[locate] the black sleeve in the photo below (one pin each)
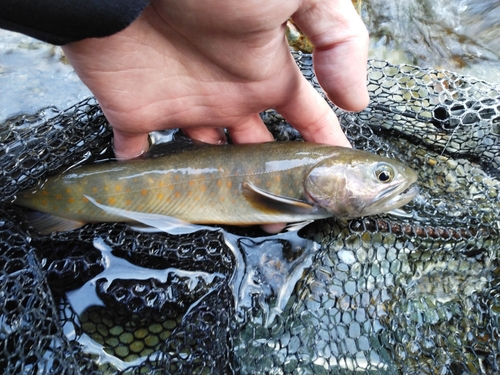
(65, 21)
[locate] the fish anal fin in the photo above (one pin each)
(269, 202)
(45, 223)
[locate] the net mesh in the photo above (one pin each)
(416, 293)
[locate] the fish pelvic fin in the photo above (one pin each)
(44, 223)
(270, 203)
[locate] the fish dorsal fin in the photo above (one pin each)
(266, 201)
(45, 223)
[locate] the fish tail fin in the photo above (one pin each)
(45, 223)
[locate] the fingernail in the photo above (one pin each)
(121, 156)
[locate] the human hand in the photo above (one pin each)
(207, 65)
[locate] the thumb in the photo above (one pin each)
(340, 54)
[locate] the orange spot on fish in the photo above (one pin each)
(94, 190)
(177, 194)
(176, 177)
(277, 178)
(144, 192)
(44, 202)
(44, 193)
(118, 188)
(219, 183)
(268, 184)
(161, 184)
(191, 183)
(71, 200)
(171, 187)
(229, 184)
(68, 190)
(128, 202)
(160, 195)
(221, 199)
(190, 193)
(111, 200)
(203, 188)
(58, 196)
(84, 199)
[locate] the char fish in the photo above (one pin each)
(230, 184)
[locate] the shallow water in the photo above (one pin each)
(459, 35)
(34, 75)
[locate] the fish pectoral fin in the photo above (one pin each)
(45, 223)
(266, 201)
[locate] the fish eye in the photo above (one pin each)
(384, 173)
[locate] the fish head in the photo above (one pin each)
(356, 183)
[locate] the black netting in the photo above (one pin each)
(416, 293)
(31, 337)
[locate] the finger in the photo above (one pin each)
(273, 228)
(253, 130)
(340, 54)
(128, 146)
(207, 135)
(310, 114)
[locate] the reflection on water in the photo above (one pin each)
(111, 319)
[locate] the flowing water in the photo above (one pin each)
(459, 35)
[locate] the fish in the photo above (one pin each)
(243, 185)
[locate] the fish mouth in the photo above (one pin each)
(397, 196)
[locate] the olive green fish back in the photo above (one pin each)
(409, 294)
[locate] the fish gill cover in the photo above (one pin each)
(416, 293)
